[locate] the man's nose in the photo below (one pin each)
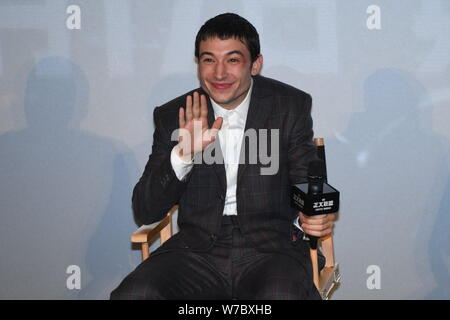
(220, 72)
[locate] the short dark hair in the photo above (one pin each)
(226, 26)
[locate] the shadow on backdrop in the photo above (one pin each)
(439, 248)
(392, 171)
(64, 193)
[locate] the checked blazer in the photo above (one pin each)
(263, 201)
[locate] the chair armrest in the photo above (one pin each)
(148, 232)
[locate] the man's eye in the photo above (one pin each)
(234, 60)
(208, 60)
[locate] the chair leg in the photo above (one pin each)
(315, 266)
(145, 251)
(328, 250)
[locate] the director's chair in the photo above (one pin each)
(326, 280)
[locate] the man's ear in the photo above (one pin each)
(257, 65)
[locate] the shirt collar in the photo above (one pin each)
(241, 109)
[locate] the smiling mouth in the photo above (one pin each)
(221, 86)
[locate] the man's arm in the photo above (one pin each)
(301, 146)
(161, 187)
(158, 189)
(301, 151)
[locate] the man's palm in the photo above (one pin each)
(195, 134)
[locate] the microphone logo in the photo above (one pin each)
(323, 205)
(299, 200)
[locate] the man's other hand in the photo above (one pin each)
(318, 226)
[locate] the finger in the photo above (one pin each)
(317, 216)
(319, 219)
(319, 234)
(196, 106)
(304, 216)
(212, 134)
(188, 108)
(314, 227)
(217, 124)
(181, 119)
(203, 107)
(330, 216)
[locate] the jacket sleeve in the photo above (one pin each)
(301, 146)
(158, 189)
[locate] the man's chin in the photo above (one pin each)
(226, 103)
(220, 99)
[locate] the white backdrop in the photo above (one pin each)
(79, 81)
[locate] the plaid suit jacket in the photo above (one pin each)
(263, 201)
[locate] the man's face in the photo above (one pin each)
(225, 70)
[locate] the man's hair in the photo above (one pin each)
(226, 26)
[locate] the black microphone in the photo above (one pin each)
(316, 177)
(320, 146)
(316, 196)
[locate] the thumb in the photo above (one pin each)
(217, 124)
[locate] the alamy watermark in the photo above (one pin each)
(74, 279)
(373, 21)
(374, 280)
(257, 142)
(73, 21)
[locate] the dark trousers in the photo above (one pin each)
(230, 270)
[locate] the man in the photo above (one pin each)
(235, 220)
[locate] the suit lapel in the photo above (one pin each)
(260, 108)
(218, 166)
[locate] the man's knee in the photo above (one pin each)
(279, 289)
(136, 289)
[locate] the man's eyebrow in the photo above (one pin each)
(228, 53)
(205, 53)
(235, 52)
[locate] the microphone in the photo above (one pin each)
(320, 146)
(316, 196)
(316, 177)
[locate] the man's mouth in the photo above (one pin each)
(221, 86)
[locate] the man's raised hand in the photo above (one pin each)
(195, 134)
